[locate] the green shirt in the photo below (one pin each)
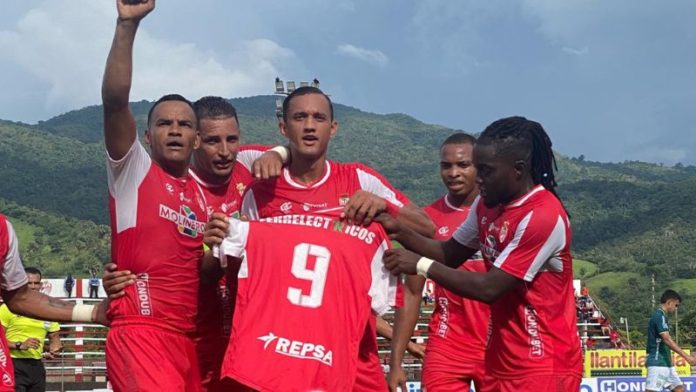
(20, 328)
(658, 354)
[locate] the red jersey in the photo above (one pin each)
(459, 326)
(13, 277)
(306, 287)
(534, 328)
(216, 305)
(157, 224)
(339, 182)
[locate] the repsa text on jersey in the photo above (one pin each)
(325, 222)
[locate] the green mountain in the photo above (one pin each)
(630, 219)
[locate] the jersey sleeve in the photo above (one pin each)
(661, 323)
(536, 244)
(249, 208)
(383, 289)
(250, 153)
(234, 243)
(123, 178)
(53, 327)
(375, 183)
(13, 275)
(5, 315)
(467, 233)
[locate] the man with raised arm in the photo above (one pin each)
(158, 213)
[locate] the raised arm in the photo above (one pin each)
(119, 124)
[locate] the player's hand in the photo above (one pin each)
(691, 360)
(390, 224)
(99, 313)
(416, 349)
(396, 379)
(362, 208)
(29, 343)
(268, 165)
(215, 229)
(134, 10)
(50, 355)
(115, 281)
(401, 261)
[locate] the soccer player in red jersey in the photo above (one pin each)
(458, 330)
(311, 183)
(31, 303)
(158, 213)
(523, 232)
(223, 169)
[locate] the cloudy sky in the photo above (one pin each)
(613, 80)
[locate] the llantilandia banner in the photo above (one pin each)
(608, 363)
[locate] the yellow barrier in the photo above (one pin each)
(603, 363)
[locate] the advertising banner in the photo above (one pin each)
(611, 363)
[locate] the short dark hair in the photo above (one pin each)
(459, 137)
(214, 107)
(165, 98)
(32, 270)
(305, 90)
(670, 294)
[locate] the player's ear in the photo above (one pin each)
(281, 126)
(334, 127)
(146, 137)
(197, 141)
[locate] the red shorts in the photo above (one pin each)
(562, 383)
(7, 379)
(369, 374)
(442, 374)
(147, 355)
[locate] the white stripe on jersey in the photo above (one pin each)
(124, 176)
(547, 256)
(467, 233)
(13, 275)
(383, 286)
(374, 185)
(249, 208)
(294, 184)
(247, 157)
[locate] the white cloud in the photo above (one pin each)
(369, 56)
(577, 52)
(66, 51)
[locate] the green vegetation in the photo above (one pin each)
(631, 219)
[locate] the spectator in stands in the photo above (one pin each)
(585, 292)
(615, 339)
(93, 285)
(589, 344)
(604, 324)
(26, 338)
(69, 283)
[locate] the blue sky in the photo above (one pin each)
(612, 80)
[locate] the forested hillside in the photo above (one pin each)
(630, 219)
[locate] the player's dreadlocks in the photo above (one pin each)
(519, 136)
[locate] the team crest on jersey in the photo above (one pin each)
(185, 220)
(443, 230)
(343, 199)
(297, 349)
(286, 207)
(503, 231)
(240, 188)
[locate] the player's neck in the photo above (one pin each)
(174, 169)
(307, 171)
(208, 179)
(461, 201)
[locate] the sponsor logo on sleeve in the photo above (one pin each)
(297, 349)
